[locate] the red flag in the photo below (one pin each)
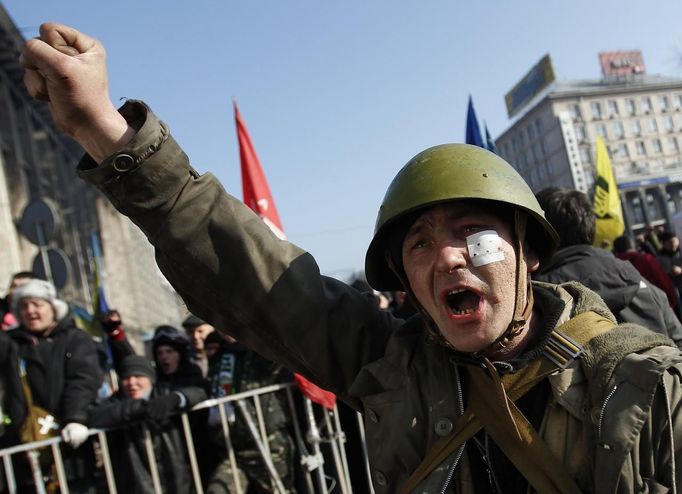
(258, 197)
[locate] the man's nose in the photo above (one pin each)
(451, 256)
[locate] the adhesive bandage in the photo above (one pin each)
(484, 247)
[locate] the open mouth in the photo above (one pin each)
(462, 302)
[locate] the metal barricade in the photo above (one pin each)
(308, 445)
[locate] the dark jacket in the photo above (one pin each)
(130, 420)
(668, 260)
(127, 445)
(63, 370)
(229, 268)
(12, 400)
(618, 283)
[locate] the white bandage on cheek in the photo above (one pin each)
(485, 247)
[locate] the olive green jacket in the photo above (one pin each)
(232, 271)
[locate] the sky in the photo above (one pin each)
(338, 96)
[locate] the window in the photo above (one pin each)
(574, 110)
(623, 150)
(657, 146)
(585, 155)
(637, 209)
(596, 110)
(541, 173)
(646, 104)
(641, 150)
(673, 144)
(550, 168)
(612, 107)
(651, 123)
(663, 103)
(601, 130)
(543, 146)
(652, 206)
(531, 133)
(618, 130)
(668, 123)
(678, 101)
(630, 106)
(636, 128)
(539, 126)
(580, 133)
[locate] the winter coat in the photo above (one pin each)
(229, 267)
(120, 411)
(618, 283)
(130, 420)
(650, 268)
(669, 260)
(63, 370)
(12, 402)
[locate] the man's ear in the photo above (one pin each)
(531, 258)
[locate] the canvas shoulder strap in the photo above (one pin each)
(565, 344)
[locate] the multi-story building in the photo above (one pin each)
(555, 124)
(38, 163)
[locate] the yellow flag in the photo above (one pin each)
(607, 208)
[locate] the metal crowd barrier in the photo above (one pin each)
(309, 449)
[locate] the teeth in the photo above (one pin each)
(463, 312)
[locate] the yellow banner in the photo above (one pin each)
(606, 202)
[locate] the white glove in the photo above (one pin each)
(74, 434)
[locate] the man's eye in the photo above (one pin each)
(471, 229)
(417, 244)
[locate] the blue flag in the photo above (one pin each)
(473, 134)
(99, 305)
(489, 142)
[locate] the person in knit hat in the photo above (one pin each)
(37, 305)
(142, 407)
(171, 350)
(137, 376)
(62, 368)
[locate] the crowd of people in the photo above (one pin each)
(511, 376)
(65, 370)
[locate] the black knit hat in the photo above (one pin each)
(136, 365)
(171, 336)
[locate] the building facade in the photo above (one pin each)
(552, 141)
(38, 164)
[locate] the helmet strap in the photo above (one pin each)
(523, 304)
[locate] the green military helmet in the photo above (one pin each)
(452, 172)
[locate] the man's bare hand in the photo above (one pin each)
(67, 69)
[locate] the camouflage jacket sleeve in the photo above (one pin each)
(230, 269)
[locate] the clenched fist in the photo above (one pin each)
(67, 69)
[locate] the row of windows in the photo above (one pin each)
(528, 134)
(616, 130)
(641, 148)
(539, 173)
(533, 154)
(632, 106)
